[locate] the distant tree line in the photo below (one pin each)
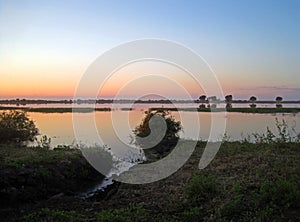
(202, 99)
(212, 100)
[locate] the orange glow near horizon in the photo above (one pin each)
(30, 81)
(34, 89)
(142, 77)
(39, 79)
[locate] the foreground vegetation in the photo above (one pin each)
(245, 182)
(29, 174)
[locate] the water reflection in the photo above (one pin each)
(59, 126)
(278, 105)
(228, 105)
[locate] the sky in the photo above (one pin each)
(252, 46)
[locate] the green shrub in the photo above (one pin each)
(46, 214)
(201, 188)
(285, 134)
(159, 143)
(281, 193)
(193, 214)
(16, 127)
(173, 126)
(130, 214)
(266, 214)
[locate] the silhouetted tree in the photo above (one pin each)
(16, 127)
(212, 99)
(202, 98)
(279, 99)
(252, 99)
(228, 100)
(168, 141)
(278, 102)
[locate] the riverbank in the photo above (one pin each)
(31, 174)
(245, 181)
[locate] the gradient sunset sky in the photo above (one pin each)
(252, 46)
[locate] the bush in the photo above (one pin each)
(280, 193)
(16, 127)
(46, 214)
(167, 141)
(193, 214)
(130, 214)
(201, 188)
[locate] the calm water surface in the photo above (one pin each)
(59, 126)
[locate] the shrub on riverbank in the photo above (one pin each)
(32, 173)
(16, 127)
(158, 133)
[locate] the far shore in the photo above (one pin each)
(191, 109)
(129, 101)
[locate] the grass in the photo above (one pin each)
(201, 188)
(46, 214)
(14, 156)
(253, 182)
(133, 213)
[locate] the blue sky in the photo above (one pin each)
(253, 46)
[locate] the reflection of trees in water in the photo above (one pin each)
(228, 105)
(252, 100)
(213, 105)
(202, 100)
(278, 102)
(211, 101)
(228, 100)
